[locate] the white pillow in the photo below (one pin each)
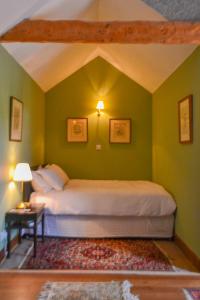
(60, 172)
(39, 184)
(52, 178)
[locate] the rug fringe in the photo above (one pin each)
(126, 291)
(45, 291)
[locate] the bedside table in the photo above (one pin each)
(21, 218)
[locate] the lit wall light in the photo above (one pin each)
(100, 106)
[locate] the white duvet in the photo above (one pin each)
(108, 198)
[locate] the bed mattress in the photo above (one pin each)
(108, 198)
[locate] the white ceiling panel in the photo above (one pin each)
(48, 64)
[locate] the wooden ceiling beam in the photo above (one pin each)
(121, 32)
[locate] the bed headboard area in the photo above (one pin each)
(28, 186)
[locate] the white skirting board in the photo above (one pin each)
(95, 226)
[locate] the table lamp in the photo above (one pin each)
(22, 174)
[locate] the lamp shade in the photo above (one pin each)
(22, 172)
(100, 105)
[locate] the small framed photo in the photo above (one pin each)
(16, 120)
(120, 131)
(185, 115)
(77, 130)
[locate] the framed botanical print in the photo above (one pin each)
(77, 130)
(185, 115)
(120, 131)
(16, 119)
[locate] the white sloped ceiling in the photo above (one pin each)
(48, 64)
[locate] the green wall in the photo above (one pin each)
(177, 166)
(123, 98)
(15, 82)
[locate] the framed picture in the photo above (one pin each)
(185, 115)
(120, 131)
(16, 119)
(77, 130)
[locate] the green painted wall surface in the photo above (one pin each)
(15, 82)
(77, 97)
(177, 166)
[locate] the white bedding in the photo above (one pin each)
(108, 198)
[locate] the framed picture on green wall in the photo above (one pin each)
(77, 130)
(120, 131)
(16, 119)
(185, 113)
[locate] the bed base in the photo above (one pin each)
(105, 227)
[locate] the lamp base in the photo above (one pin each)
(20, 205)
(23, 205)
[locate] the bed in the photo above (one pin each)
(108, 208)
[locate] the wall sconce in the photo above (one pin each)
(100, 106)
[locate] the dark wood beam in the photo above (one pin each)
(129, 32)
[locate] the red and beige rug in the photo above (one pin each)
(98, 254)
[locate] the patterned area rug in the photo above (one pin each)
(87, 291)
(98, 254)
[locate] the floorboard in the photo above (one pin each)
(176, 256)
(26, 285)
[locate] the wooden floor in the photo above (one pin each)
(176, 256)
(25, 285)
